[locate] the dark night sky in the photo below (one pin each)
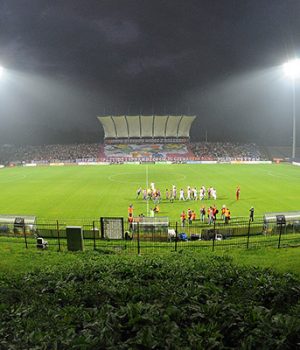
(68, 61)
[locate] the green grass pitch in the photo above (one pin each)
(71, 192)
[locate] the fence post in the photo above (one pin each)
(280, 231)
(176, 237)
(58, 235)
(138, 239)
(248, 236)
(94, 235)
(25, 237)
(214, 237)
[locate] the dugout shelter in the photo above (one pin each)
(290, 221)
(17, 223)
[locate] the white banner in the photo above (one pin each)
(93, 163)
(30, 164)
(251, 162)
(201, 162)
(57, 164)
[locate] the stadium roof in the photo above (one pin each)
(153, 126)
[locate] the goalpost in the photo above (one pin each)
(151, 228)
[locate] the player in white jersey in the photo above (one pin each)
(181, 195)
(189, 193)
(202, 194)
(195, 193)
(214, 193)
(174, 192)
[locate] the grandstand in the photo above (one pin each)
(44, 154)
(147, 137)
(139, 139)
(281, 153)
(227, 151)
(131, 152)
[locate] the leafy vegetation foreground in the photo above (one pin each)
(173, 302)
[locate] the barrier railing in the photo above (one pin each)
(239, 233)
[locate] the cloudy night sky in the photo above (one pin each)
(68, 61)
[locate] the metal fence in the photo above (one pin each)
(115, 235)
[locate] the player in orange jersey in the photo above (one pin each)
(130, 210)
(183, 218)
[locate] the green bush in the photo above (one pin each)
(173, 302)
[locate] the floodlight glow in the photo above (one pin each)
(292, 68)
(1, 71)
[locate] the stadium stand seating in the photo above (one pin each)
(281, 152)
(227, 151)
(49, 153)
(204, 151)
(136, 138)
(151, 151)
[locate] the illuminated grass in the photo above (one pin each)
(94, 191)
(262, 252)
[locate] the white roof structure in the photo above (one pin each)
(152, 126)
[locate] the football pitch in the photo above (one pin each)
(89, 192)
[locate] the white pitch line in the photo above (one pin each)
(147, 184)
(111, 178)
(281, 176)
(14, 178)
(179, 177)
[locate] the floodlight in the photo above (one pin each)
(292, 68)
(1, 71)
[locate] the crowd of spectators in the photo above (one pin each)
(153, 150)
(227, 151)
(49, 153)
(204, 151)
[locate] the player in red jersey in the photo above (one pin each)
(237, 193)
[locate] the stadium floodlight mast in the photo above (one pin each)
(292, 71)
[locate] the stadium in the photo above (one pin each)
(147, 162)
(149, 175)
(90, 198)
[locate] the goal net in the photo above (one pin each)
(151, 228)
